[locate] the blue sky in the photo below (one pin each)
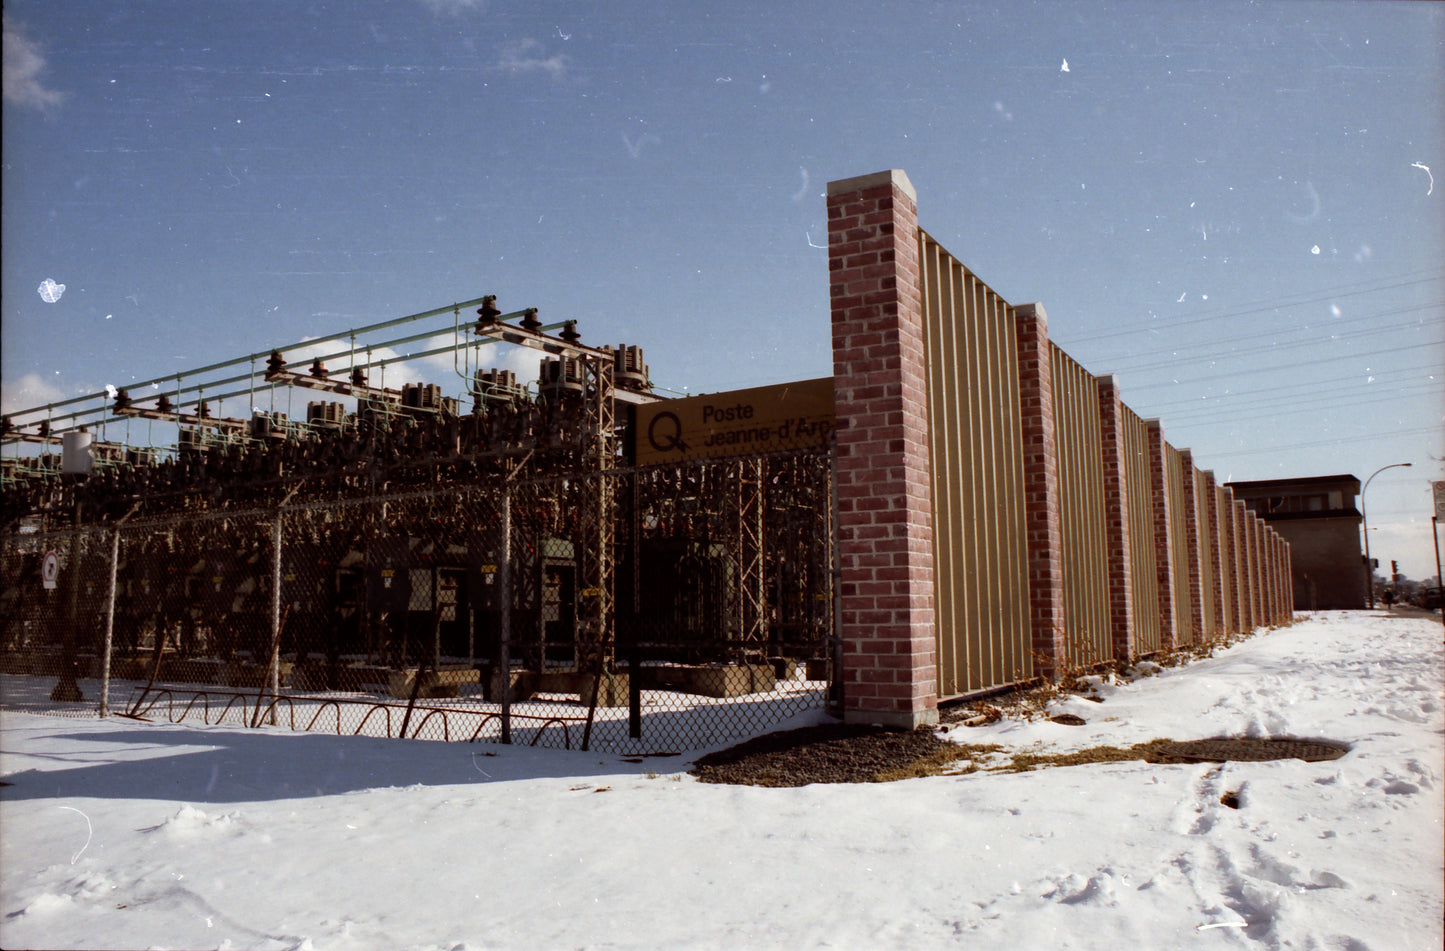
(1232, 206)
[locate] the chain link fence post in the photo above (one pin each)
(109, 623)
(273, 673)
(66, 689)
(504, 659)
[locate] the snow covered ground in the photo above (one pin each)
(118, 834)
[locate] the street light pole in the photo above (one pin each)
(1365, 519)
(1435, 537)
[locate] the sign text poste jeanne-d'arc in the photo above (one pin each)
(738, 422)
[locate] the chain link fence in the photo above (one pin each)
(636, 610)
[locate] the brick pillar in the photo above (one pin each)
(1191, 537)
(1043, 525)
(1163, 551)
(1210, 527)
(1116, 517)
(890, 672)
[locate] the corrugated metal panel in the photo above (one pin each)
(1142, 561)
(1207, 568)
(980, 559)
(1184, 633)
(1224, 536)
(1079, 435)
(1241, 569)
(980, 580)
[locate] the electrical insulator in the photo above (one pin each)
(487, 314)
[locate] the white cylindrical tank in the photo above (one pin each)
(76, 455)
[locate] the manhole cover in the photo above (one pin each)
(1245, 749)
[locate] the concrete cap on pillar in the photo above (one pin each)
(1034, 309)
(892, 176)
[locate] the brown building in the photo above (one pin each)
(1317, 516)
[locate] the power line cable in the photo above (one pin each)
(1276, 447)
(1264, 306)
(1222, 346)
(1247, 371)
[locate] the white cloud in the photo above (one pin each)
(23, 67)
(523, 361)
(28, 392)
(529, 56)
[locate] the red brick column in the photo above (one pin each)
(890, 672)
(1211, 534)
(1163, 551)
(1191, 537)
(1043, 527)
(1116, 515)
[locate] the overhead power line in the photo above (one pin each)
(1333, 441)
(1347, 290)
(1224, 348)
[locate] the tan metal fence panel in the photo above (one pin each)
(1184, 633)
(1207, 568)
(1079, 436)
(1224, 583)
(1144, 579)
(980, 580)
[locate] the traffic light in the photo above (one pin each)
(1394, 568)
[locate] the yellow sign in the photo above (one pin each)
(736, 423)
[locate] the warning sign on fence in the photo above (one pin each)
(49, 570)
